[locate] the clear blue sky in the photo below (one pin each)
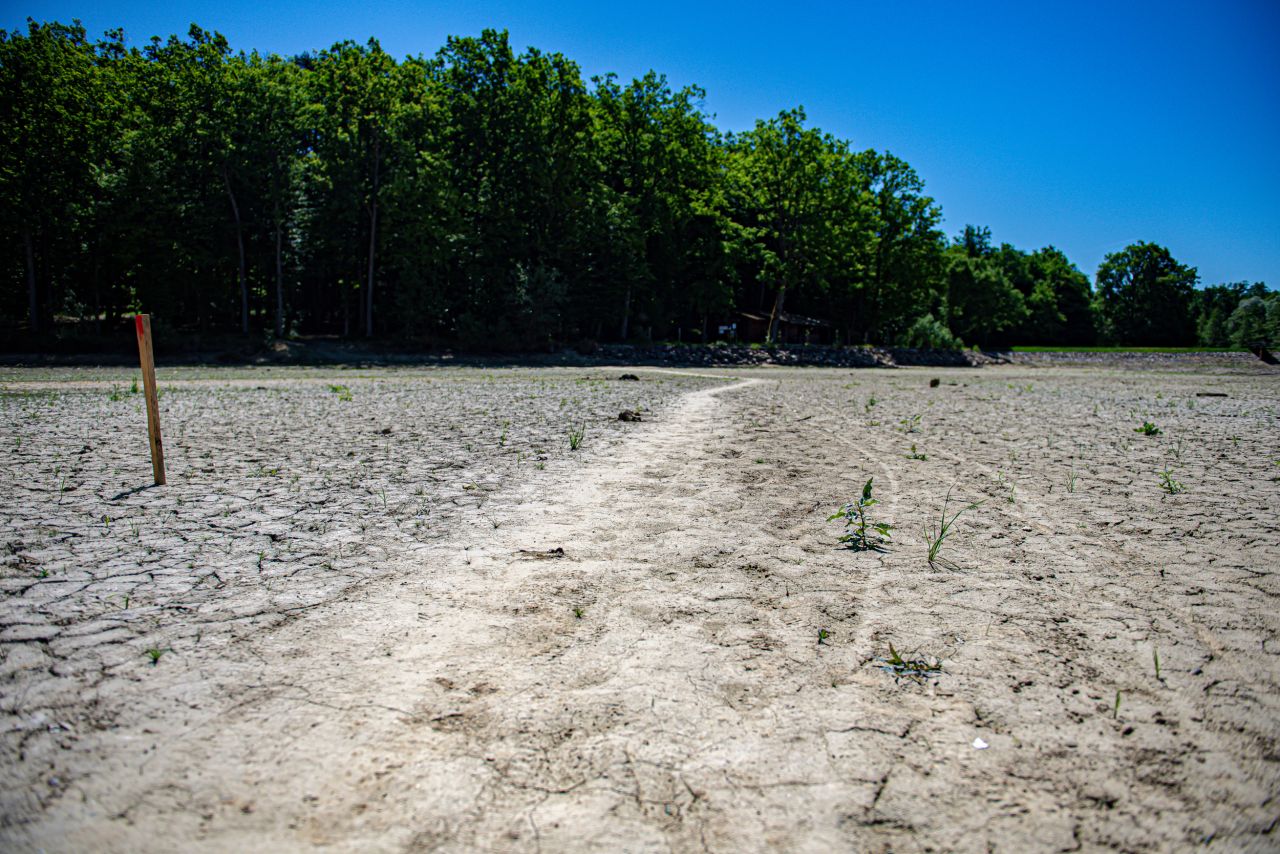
(1085, 125)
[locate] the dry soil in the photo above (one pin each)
(393, 611)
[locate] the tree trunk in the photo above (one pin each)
(279, 283)
(373, 242)
(33, 303)
(346, 312)
(626, 314)
(97, 298)
(776, 317)
(244, 284)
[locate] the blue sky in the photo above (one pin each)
(1083, 125)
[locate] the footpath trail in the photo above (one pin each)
(664, 650)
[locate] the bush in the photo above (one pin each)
(929, 333)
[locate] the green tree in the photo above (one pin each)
(658, 192)
(789, 194)
(517, 142)
(903, 267)
(982, 303)
(1057, 297)
(353, 95)
(1214, 306)
(1144, 297)
(50, 108)
(1255, 322)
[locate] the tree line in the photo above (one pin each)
(492, 199)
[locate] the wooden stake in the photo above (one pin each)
(143, 324)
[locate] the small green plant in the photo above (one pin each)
(935, 537)
(1148, 429)
(1155, 659)
(576, 436)
(871, 401)
(916, 455)
(823, 634)
(341, 391)
(154, 654)
(1169, 484)
(1115, 710)
(115, 394)
(856, 523)
(502, 440)
(1072, 479)
(910, 424)
(133, 389)
(918, 669)
(578, 613)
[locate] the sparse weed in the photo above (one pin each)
(936, 536)
(1148, 429)
(155, 653)
(856, 523)
(579, 613)
(910, 424)
(1072, 479)
(1169, 484)
(341, 391)
(916, 455)
(871, 401)
(576, 435)
(823, 634)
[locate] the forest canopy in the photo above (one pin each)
(490, 199)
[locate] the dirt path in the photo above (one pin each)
(700, 668)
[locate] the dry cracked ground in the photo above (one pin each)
(392, 610)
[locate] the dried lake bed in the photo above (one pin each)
(392, 609)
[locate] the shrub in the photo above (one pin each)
(929, 333)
